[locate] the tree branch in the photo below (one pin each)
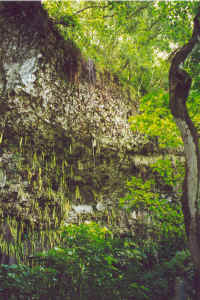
(88, 7)
(179, 79)
(139, 9)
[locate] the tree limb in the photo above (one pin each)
(92, 6)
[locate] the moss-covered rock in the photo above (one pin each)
(64, 141)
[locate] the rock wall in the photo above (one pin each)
(66, 147)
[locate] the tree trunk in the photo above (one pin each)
(179, 86)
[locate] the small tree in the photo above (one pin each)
(179, 87)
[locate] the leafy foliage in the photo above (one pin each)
(93, 264)
(164, 218)
(128, 41)
(155, 120)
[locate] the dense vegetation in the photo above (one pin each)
(131, 44)
(91, 263)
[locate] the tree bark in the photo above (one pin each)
(179, 87)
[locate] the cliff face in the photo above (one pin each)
(66, 147)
